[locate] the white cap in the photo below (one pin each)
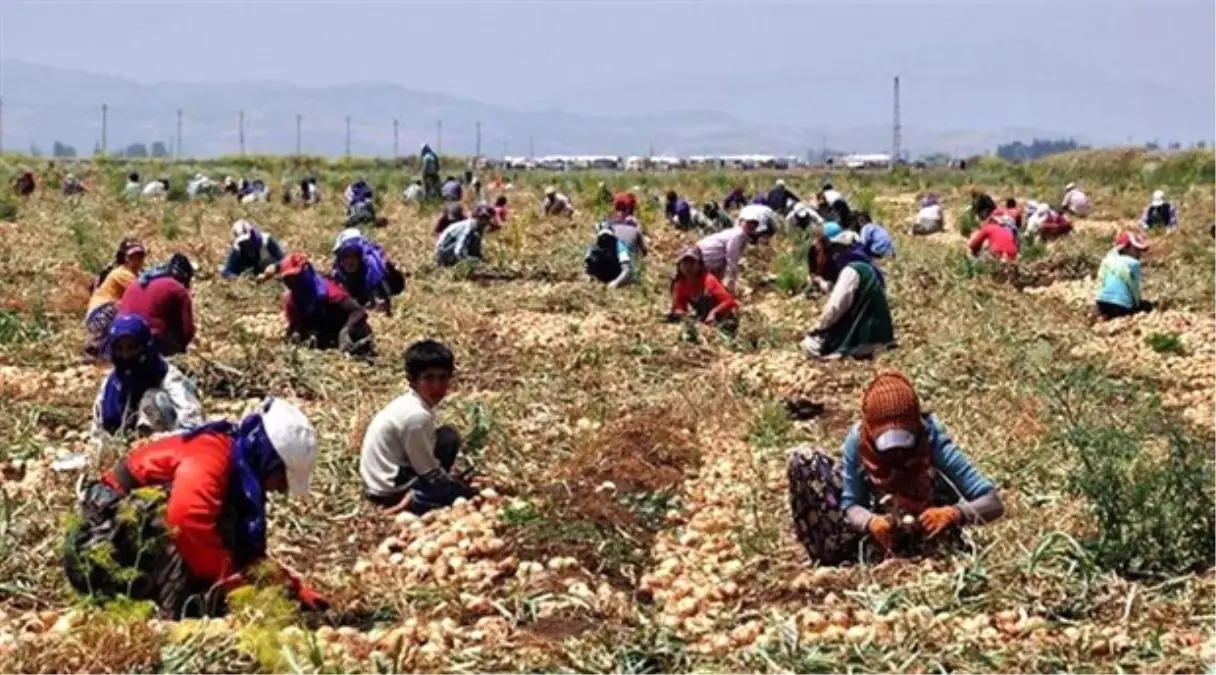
(295, 439)
(1070, 186)
(894, 438)
(753, 212)
(345, 236)
(1043, 209)
(845, 238)
(780, 182)
(550, 190)
(1158, 197)
(242, 231)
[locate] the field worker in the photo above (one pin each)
(320, 314)
(609, 259)
(1046, 223)
(670, 201)
(735, 199)
(681, 215)
(479, 195)
(361, 206)
(157, 189)
(309, 192)
(931, 218)
(452, 213)
(998, 237)
(162, 297)
(462, 241)
(253, 252)
(718, 216)
(603, 195)
(364, 271)
(1075, 202)
(875, 238)
(901, 487)
(1159, 213)
(780, 198)
(413, 194)
(625, 225)
(73, 186)
(107, 293)
(132, 188)
(231, 186)
(829, 195)
(982, 204)
(697, 293)
(556, 203)
(1011, 209)
(429, 161)
(24, 185)
(201, 186)
(181, 521)
(500, 210)
(803, 216)
(406, 461)
(254, 191)
(144, 393)
(451, 190)
(1119, 278)
(722, 251)
(856, 321)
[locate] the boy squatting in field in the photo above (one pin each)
(406, 462)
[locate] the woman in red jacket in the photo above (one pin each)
(182, 520)
(695, 291)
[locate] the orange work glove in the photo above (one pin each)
(882, 530)
(936, 519)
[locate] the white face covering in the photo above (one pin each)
(894, 439)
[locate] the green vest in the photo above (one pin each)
(868, 321)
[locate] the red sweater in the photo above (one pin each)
(686, 291)
(165, 304)
(197, 471)
(1001, 241)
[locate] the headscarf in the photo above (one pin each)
(125, 248)
(760, 198)
(178, 267)
(890, 403)
(372, 263)
(245, 232)
(254, 460)
(856, 252)
(308, 290)
(682, 211)
(130, 380)
(690, 252)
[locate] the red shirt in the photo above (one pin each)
(165, 304)
(1001, 241)
(334, 295)
(686, 291)
(197, 471)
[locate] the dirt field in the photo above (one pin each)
(635, 515)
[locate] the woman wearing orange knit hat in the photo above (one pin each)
(901, 485)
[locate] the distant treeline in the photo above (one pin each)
(63, 150)
(1018, 151)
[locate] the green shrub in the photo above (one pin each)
(1165, 343)
(968, 223)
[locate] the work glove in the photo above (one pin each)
(882, 529)
(933, 521)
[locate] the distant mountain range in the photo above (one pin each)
(42, 105)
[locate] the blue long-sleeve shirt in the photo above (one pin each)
(1119, 280)
(236, 264)
(948, 460)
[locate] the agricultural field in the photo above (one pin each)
(634, 513)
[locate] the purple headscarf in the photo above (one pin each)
(130, 379)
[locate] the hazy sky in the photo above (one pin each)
(1109, 69)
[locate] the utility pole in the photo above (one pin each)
(299, 123)
(477, 154)
(104, 114)
(241, 131)
(438, 136)
(896, 134)
(177, 151)
(396, 150)
(348, 135)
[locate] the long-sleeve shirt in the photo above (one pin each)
(1165, 215)
(1000, 239)
(198, 471)
(721, 253)
(165, 304)
(979, 500)
(1119, 280)
(236, 264)
(1076, 202)
(685, 292)
(399, 445)
(112, 288)
(844, 292)
(183, 397)
(458, 242)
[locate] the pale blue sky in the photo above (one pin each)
(1108, 69)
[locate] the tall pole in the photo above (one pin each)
(438, 135)
(396, 148)
(896, 140)
(241, 131)
(348, 135)
(104, 114)
(177, 150)
(299, 123)
(477, 154)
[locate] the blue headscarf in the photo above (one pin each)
(760, 198)
(308, 291)
(130, 380)
(374, 269)
(254, 460)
